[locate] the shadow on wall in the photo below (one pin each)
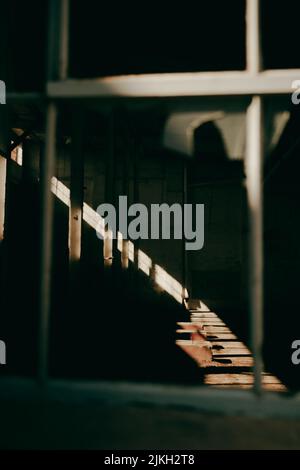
(112, 325)
(216, 272)
(116, 326)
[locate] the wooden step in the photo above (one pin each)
(232, 361)
(231, 352)
(204, 315)
(243, 378)
(220, 336)
(210, 329)
(230, 344)
(200, 352)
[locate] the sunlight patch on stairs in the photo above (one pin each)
(214, 347)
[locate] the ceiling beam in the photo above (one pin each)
(178, 85)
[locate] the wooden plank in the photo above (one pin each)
(204, 315)
(190, 325)
(233, 361)
(190, 342)
(216, 337)
(231, 352)
(209, 329)
(243, 378)
(275, 387)
(229, 344)
(186, 331)
(194, 349)
(201, 320)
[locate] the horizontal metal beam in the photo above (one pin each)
(178, 84)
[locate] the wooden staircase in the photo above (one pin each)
(226, 360)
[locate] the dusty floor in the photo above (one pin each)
(92, 426)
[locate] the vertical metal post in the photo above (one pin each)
(76, 196)
(58, 40)
(254, 175)
(2, 194)
(4, 146)
(109, 244)
(46, 242)
(57, 69)
(64, 40)
(253, 39)
(125, 188)
(254, 160)
(184, 253)
(138, 157)
(5, 205)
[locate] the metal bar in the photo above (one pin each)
(254, 183)
(52, 41)
(137, 158)
(254, 160)
(4, 144)
(178, 84)
(46, 243)
(76, 199)
(6, 207)
(184, 253)
(253, 40)
(57, 67)
(117, 135)
(58, 39)
(126, 183)
(109, 243)
(2, 195)
(64, 40)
